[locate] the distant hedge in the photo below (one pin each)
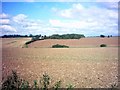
(103, 45)
(60, 46)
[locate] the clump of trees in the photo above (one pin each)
(15, 82)
(60, 46)
(102, 36)
(34, 38)
(66, 36)
(54, 36)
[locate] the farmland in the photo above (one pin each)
(76, 43)
(84, 64)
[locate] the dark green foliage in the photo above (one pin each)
(13, 82)
(57, 85)
(45, 81)
(67, 36)
(103, 45)
(25, 85)
(70, 87)
(60, 46)
(35, 38)
(102, 36)
(35, 86)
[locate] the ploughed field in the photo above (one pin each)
(76, 43)
(82, 67)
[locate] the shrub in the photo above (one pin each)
(14, 82)
(45, 81)
(57, 85)
(103, 45)
(60, 46)
(70, 87)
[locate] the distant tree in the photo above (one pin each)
(45, 37)
(30, 35)
(108, 36)
(26, 35)
(102, 36)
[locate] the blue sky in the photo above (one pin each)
(46, 18)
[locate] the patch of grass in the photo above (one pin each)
(60, 46)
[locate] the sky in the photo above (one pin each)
(59, 17)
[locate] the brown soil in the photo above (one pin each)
(83, 42)
(82, 67)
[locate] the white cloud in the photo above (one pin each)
(30, 0)
(5, 24)
(20, 18)
(76, 24)
(71, 12)
(77, 11)
(78, 6)
(107, 0)
(3, 15)
(92, 19)
(7, 28)
(4, 21)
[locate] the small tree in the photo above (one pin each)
(30, 35)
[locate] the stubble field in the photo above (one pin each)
(83, 67)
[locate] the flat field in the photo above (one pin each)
(83, 67)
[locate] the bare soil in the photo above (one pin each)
(75, 43)
(83, 67)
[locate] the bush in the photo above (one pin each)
(60, 46)
(103, 45)
(14, 82)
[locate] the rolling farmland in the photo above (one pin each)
(83, 67)
(76, 43)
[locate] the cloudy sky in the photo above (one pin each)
(61, 17)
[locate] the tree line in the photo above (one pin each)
(67, 36)
(54, 36)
